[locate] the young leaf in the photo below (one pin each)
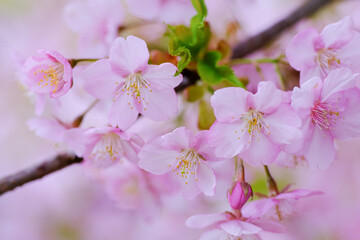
(212, 73)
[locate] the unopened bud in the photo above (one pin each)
(239, 194)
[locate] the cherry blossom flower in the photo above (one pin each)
(226, 225)
(186, 156)
(276, 207)
(315, 54)
(47, 75)
(255, 126)
(133, 85)
(97, 22)
(163, 10)
(103, 147)
(330, 110)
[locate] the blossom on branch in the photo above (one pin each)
(133, 85)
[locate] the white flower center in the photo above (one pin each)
(107, 150)
(50, 77)
(187, 164)
(324, 115)
(137, 87)
(327, 60)
(253, 124)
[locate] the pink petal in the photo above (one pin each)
(225, 139)
(284, 125)
(189, 187)
(260, 151)
(297, 194)
(76, 139)
(338, 80)
(348, 125)
(40, 104)
(203, 147)
(258, 208)
(162, 76)
(176, 140)
(338, 34)
(49, 129)
(100, 80)
(205, 220)
(269, 226)
(321, 150)
(223, 103)
(267, 98)
(301, 52)
(155, 159)
(206, 178)
(121, 113)
(162, 105)
(128, 56)
(238, 228)
(304, 97)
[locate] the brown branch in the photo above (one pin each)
(190, 77)
(30, 174)
(261, 39)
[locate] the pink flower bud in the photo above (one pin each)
(239, 194)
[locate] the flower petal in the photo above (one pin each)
(301, 52)
(320, 151)
(267, 98)
(162, 76)
(238, 228)
(206, 178)
(223, 102)
(122, 114)
(128, 56)
(205, 220)
(100, 80)
(258, 208)
(338, 34)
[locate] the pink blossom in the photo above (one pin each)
(255, 126)
(186, 156)
(315, 54)
(239, 194)
(103, 147)
(47, 75)
(133, 85)
(163, 10)
(97, 22)
(278, 207)
(330, 110)
(226, 225)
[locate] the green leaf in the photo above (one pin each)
(190, 43)
(206, 115)
(212, 73)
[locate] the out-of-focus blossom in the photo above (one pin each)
(315, 54)
(255, 126)
(227, 226)
(184, 155)
(278, 207)
(163, 10)
(134, 86)
(47, 75)
(330, 110)
(97, 23)
(103, 147)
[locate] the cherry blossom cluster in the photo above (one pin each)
(136, 118)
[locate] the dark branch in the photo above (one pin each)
(258, 41)
(18, 179)
(190, 77)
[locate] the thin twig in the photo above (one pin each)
(30, 174)
(190, 77)
(258, 41)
